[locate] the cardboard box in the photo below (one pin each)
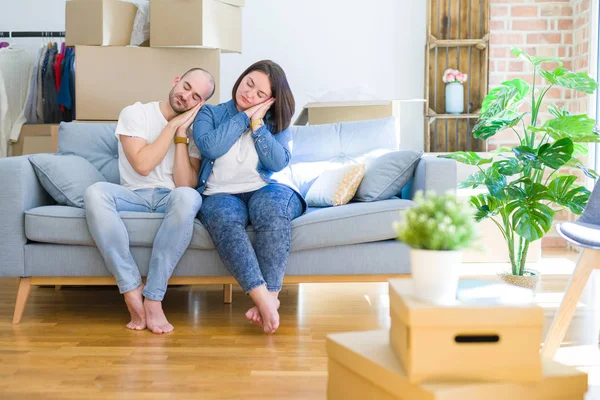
(196, 23)
(34, 139)
(99, 22)
(459, 341)
(110, 78)
(345, 111)
(363, 366)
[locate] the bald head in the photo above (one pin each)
(195, 86)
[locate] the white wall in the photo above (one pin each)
(341, 49)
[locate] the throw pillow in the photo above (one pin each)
(335, 187)
(385, 176)
(65, 177)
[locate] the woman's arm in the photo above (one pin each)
(273, 150)
(214, 140)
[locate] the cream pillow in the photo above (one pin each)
(335, 187)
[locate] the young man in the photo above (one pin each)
(159, 170)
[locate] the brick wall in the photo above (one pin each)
(546, 28)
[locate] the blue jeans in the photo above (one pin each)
(270, 210)
(104, 200)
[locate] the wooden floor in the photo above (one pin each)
(72, 344)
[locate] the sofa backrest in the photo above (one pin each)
(317, 148)
(96, 142)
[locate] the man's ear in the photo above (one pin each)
(175, 81)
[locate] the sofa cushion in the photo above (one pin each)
(335, 187)
(96, 142)
(317, 148)
(65, 177)
(385, 176)
(317, 228)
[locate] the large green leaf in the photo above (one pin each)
(578, 199)
(508, 167)
(495, 183)
(579, 81)
(579, 128)
(474, 180)
(486, 205)
(556, 154)
(533, 59)
(580, 149)
(559, 187)
(558, 112)
(528, 156)
(532, 221)
(467, 157)
(500, 108)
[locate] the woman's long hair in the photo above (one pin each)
(283, 108)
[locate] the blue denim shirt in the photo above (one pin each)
(217, 128)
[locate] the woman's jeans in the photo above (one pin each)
(270, 210)
(104, 200)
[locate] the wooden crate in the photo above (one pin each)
(457, 38)
(454, 342)
(363, 366)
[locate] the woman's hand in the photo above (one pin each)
(262, 110)
(254, 109)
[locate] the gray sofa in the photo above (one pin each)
(47, 244)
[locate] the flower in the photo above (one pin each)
(453, 75)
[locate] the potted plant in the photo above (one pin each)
(455, 93)
(527, 183)
(436, 229)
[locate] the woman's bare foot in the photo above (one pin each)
(155, 317)
(135, 305)
(267, 306)
(253, 314)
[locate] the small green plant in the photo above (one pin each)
(437, 222)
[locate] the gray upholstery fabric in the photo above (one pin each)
(96, 142)
(385, 257)
(432, 173)
(580, 234)
(324, 227)
(20, 192)
(65, 177)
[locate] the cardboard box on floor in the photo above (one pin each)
(362, 365)
(318, 113)
(34, 139)
(454, 342)
(196, 23)
(110, 78)
(99, 22)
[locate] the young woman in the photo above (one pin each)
(243, 143)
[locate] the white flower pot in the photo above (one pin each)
(455, 98)
(435, 274)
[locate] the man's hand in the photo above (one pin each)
(183, 121)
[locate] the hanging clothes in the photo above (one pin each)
(66, 94)
(15, 69)
(31, 107)
(51, 110)
(40, 74)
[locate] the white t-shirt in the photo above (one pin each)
(147, 122)
(236, 171)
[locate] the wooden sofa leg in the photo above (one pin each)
(227, 293)
(22, 296)
(57, 288)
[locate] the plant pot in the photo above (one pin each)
(435, 274)
(455, 98)
(529, 280)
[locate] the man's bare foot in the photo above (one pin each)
(135, 305)
(267, 306)
(253, 315)
(155, 317)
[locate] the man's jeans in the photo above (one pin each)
(104, 200)
(270, 210)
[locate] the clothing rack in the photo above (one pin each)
(24, 34)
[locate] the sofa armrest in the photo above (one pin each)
(433, 173)
(21, 191)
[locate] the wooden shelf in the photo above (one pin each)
(451, 116)
(479, 43)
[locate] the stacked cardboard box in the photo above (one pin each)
(111, 75)
(454, 352)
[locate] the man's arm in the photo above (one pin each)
(144, 157)
(187, 166)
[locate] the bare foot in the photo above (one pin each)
(267, 306)
(135, 305)
(155, 317)
(253, 314)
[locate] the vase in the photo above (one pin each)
(435, 274)
(455, 96)
(530, 279)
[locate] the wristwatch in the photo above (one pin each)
(185, 140)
